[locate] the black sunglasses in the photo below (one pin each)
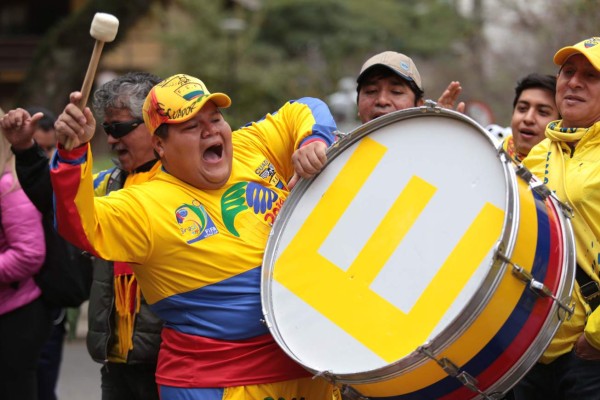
(120, 129)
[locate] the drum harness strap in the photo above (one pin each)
(589, 288)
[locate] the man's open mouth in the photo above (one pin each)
(213, 153)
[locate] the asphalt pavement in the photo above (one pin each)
(79, 376)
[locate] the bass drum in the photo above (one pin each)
(421, 263)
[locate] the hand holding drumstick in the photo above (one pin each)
(75, 126)
(104, 29)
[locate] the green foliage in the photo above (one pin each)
(295, 48)
(295, 28)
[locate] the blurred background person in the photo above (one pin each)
(534, 107)
(51, 356)
(123, 334)
(25, 320)
(389, 81)
(44, 135)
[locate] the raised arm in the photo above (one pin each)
(450, 95)
(298, 134)
(31, 160)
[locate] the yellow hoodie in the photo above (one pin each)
(574, 175)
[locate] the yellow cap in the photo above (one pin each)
(177, 99)
(590, 48)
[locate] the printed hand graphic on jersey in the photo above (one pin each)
(244, 196)
(260, 198)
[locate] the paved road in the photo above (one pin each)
(79, 375)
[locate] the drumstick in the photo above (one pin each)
(104, 29)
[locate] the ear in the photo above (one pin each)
(158, 145)
(420, 102)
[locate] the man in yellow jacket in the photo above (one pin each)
(567, 162)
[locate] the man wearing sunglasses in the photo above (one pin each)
(123, 334)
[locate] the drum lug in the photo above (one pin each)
(450, 368)
(536, 286)
(467, 380)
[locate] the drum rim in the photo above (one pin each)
(473, 307)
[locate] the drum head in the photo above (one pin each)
(390, 247)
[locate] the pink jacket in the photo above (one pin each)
(22, 246)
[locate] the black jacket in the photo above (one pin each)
(147, 326)
(66, 274)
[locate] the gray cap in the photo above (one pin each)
(397, 62)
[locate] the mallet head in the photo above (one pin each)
(104, 27)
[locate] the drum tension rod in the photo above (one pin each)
(524, 173)
(541, 189)
(348, 392)
(537, 186)
(545, 192)
(534, 285)
(450, 368)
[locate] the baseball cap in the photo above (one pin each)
(397, 62)
(177, 99)
(590, 48)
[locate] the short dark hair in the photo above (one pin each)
(162, 131)
(535, 81)
(46, 123)
(384, 72)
